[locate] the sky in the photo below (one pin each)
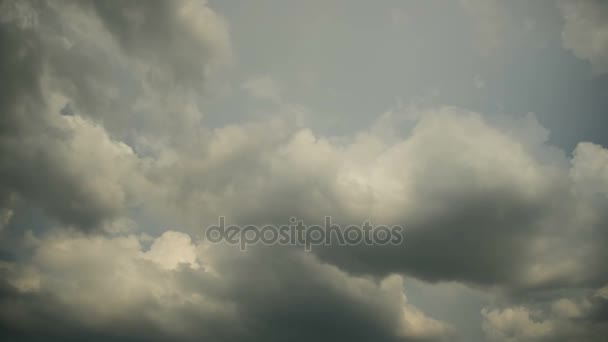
(127, 128)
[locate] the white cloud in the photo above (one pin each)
(172, 249)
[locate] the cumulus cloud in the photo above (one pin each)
(509, 200)
(103, 287)
(172, 249)
(104, 144)
(105, 78)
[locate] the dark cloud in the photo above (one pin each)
(101, 131)
(61, 56)
(266, 294)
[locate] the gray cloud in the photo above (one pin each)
(61, 54)
(563, 319)
(127, 293)
(110, 171)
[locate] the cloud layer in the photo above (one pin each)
(111, 170)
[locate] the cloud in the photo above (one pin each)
(564, 319)
(491, 195)
(104, 143)
(172, 249)
(515, 324)
(112, 288)
(73, 55)
(500, 203)
(77, 173)
(586, 31)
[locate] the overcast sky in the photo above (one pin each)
(128, 127)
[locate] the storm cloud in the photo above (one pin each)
(128, 127)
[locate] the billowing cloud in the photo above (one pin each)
(105, 142)
(500, 201)
(77, 85)
(112, 288)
